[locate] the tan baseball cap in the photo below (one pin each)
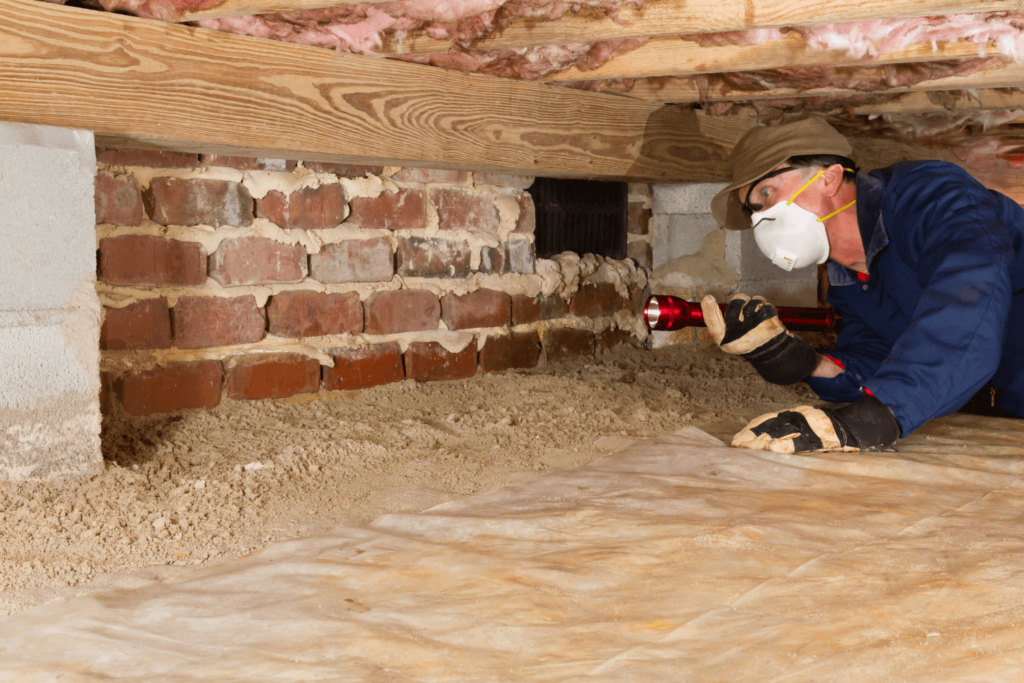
(763, 148)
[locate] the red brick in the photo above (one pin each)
(255, 260)
(553, 307)
(402, 210)
(594, 301)
(525, 309)
(170, 388)
(273, 376)
(464, 210)
(611, 338)
(520, 182)
(312, 314)
(527, 221)
(118, 200)
(640, 252)
(145, 324)
(510, 351)
(247, 163)
(201, 321)
(430, 175)
(308, 208)
(364, 368)
(638, 297)
(638, 219)
(354, 261)
(482, 308)
(152, 261)
(406, 310)
(107, 398)
(432, 257)
(343, 170)
(147, 157)
(430, 362)
(493, 260)
(174, 201)
(565, 342)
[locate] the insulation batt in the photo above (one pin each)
(533, 62)
(872, 38)
(359, 28)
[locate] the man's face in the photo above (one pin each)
(778, 188)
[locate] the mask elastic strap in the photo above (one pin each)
(825, 218)
(804, 186)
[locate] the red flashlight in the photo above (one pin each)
(671, 313)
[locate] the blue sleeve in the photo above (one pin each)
(947, 224)
(861, 350)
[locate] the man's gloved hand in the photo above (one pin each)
(751, 328)
(864, 425)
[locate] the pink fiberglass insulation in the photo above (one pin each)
(533, 62)
(358, 28)
(872, 38)
(168, 10)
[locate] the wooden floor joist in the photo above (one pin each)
(169, 86)
(671, 56)
(678, 17)
(687, 90)
(923, 103)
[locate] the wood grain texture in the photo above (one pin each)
(174, 87)
(687, 90)
(921, 103)
(677, 17)
(239, 8)
(671, 56)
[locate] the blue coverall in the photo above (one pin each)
(942, 311)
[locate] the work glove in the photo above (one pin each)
(864, 425)
(752, 330)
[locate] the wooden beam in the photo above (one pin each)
(678, 17)
(239, 8)
(175, 87)
(922, 103)
(688, 90)
(671, 56)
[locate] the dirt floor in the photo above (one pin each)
(201, 488)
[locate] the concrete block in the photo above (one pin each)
(679, 235)
(685, 197)
(50, 314)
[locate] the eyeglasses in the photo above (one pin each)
(748, 208)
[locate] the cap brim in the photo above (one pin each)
(726, 206)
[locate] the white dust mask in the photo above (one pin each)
(790, 235)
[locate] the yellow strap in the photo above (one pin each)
(804, 187)
(825, 218)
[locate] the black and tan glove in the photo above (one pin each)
(751, 329)
(864, 425)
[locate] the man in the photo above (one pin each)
(925, 264)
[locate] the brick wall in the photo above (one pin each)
(254, 278)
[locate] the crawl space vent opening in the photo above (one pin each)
(584, 216)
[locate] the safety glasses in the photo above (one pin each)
(748, 208)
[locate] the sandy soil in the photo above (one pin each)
(197, 489)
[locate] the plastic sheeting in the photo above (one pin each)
(677, 560)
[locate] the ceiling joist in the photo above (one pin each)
(689, 90)
(680, 17)
(670, 56)
(936, 102)
(168, 86)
